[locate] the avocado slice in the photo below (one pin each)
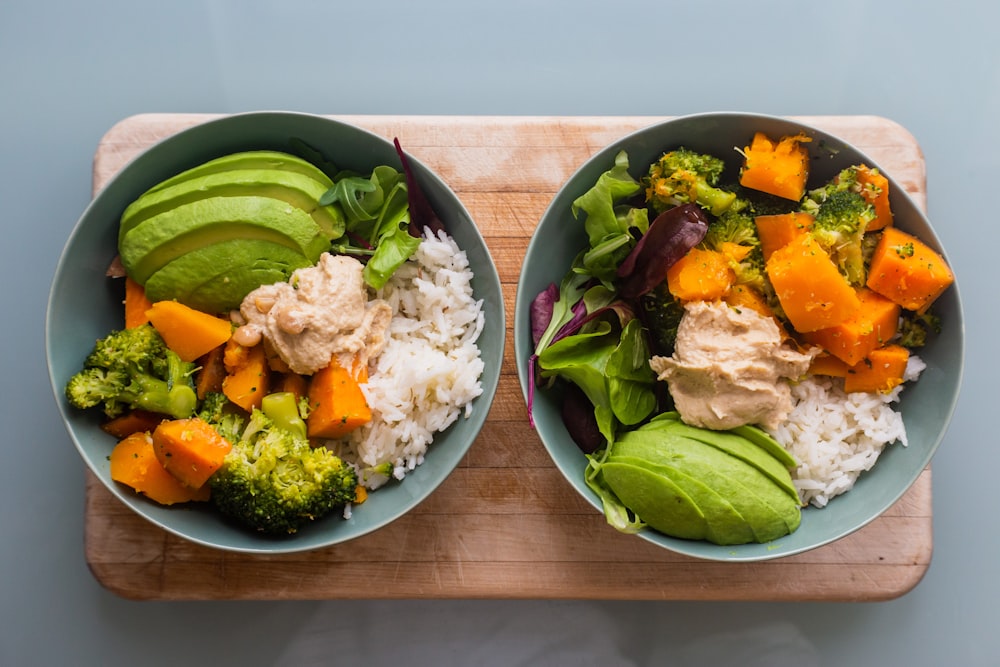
(149, 246)
(216, 277)
(734, 445)
(724, 523)
(656, 500)
(768, 509)
(767, 443)
(297, 189)
(258, 159)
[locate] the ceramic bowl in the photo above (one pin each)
(84, 305)
(926, 406)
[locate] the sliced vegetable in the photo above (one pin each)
(211, 372)
(337, 405)
(882, 371)
(188, 332)
(776, 231)
(908, 271)
(870, 327)
(829, 365)
(189, 449)
(133, 463)
(776, 167)
(812, 292)
(133, 421)
(248, 376)
(875, 190)
(136, 304)
(700, 275)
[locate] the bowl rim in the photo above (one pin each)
(523, 347)
(489, 379)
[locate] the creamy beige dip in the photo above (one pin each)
(322, 311)
(730, 367)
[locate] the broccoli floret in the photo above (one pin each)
(841, 216)
(134, 369)
(223, 415)
(661, 315)
(733, 226)
(275, 482)
(914, 328)
(682, 176)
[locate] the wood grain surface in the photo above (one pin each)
(505, 524)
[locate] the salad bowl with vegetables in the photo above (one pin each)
(737, 336)
(274, 332)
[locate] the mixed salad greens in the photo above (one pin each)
(624, 296)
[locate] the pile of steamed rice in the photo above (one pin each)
(836, 436)
(429, 371)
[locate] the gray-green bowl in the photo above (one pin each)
(926, 406)
(84, 305)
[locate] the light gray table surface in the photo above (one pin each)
(69, 71)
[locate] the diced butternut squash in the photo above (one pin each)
(248, 377)
(810, 288)
(780, 168)
(134, 463)
(136, 304)
(291, 382)
(700, 275)
(741, 296)
(189, 449)
(778, 230)
(908, 271)
(875, 190)
(188, 332)
(882, 371)
(337, 405)
(870, 327)
(829, 365)
(134, 421)
(211, 372)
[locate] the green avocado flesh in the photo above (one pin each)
(253, 160)
(723, 523)
(299, 190)
(217, 277)
(158, 240)
(656, 499)
(738, 447)
(743, 493)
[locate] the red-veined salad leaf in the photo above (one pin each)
(422, 214)
(670, 236)
(607, 360)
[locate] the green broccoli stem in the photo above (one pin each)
(155, 395)
(716, 200)
(283, 409)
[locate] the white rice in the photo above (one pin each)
(429, 371)
(836, 436)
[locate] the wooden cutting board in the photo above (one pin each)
(505, 524)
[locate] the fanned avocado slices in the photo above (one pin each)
(724, 524)
(260, 159)
(158, 240)
(215, 278)
(656, 499)
(734, 445)
(299, 190)
(769, 509)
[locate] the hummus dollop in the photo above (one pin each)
(323, 312)
(730, 367)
